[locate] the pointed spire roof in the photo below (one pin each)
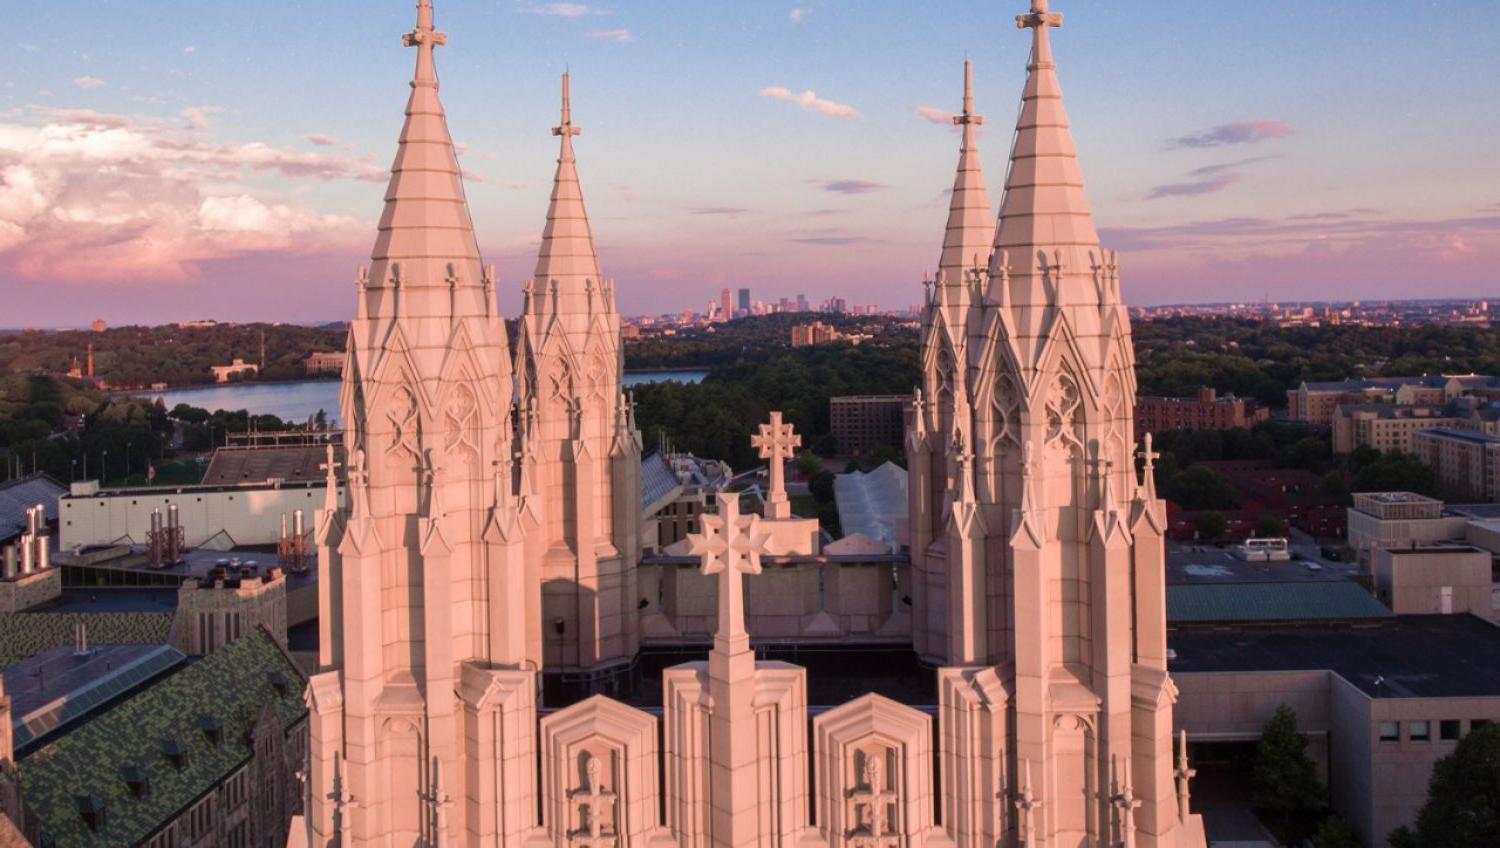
(1044, 204)
(567, 253)
(971, 229)
(426, 226)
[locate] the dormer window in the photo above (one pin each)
(174, 752)
(212, 727)
(91, 808)
(135, 780)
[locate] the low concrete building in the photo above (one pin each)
(236, 369)
(1381, 701)
(247, 514)
(1435, 578)
(1398, 519)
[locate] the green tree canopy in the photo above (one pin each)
(1396, 471)
(1463, 797)
(1199, 487)
(1285, 777)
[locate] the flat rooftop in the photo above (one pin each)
(198, 562)
(1208, 564)
(1397, 497)
(1408, 656)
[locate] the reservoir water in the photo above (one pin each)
(300, 400)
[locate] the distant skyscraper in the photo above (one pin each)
(726, 305)
(745, 301)
(801, 303)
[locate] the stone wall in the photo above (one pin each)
(29, 590)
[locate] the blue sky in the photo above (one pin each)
(164, 159)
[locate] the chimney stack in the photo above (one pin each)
(8, 570)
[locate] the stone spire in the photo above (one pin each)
(1044, 208)
(567, 255)
(425, 262)
(967, 241)
(1044, 201)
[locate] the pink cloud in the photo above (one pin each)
(1239, 132)
(89, 197)
(810, 102)
(936, 116)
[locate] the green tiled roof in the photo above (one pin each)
(1270, 601)
(233, 684)
(26, 634)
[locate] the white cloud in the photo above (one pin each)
(798, 14)
(190, 50)
(89, 82)
(810, 102)
(937, 116)
(98, 197)
(321, 140)
(560, 10)
(617, 36)
(197, 116)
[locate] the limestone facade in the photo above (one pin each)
(1036, 548)
(477, 550)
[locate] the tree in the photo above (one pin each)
(1197, 488)
(1270, 526)
(1396, 471)
(1285, 777)
(1212, 525)
(1463, 797)
(1333, 485)
(821, 486)
(1334, 832)
(808, 463)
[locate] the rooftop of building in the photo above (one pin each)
(1398, 410)
(1430, 548)
(1429, 380)
(1271, 601)
(659, 483)
(201, 715)
(260, 463)
(242, 562)
(1188, 564)
(92, 489)
(1405, 656)
(1397, 497)
(1470, 436)
(872, 503)
(870, 399)
(17, 496)
(24, 635)
(60, 686)
(1477, 511)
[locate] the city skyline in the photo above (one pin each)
(153, 179)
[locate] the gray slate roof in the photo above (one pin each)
(18, 496)
(1323, 600)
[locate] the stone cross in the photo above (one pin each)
(437, 802)
(1183, 774)
(1125, 804)
(565, 127)
(730, 546)
(776, 443)
(1026, 804)
(1039, 18)
(340, 799)
(593, 797)
(875, 799)
(1148, 476)
(304, 791)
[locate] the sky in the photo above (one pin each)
(170, 159)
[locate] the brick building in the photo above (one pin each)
(1205, 411)
(1467, 462)
(864, 423)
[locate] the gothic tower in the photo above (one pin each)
(1037, 549)
(419, 570)
(580, 452)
